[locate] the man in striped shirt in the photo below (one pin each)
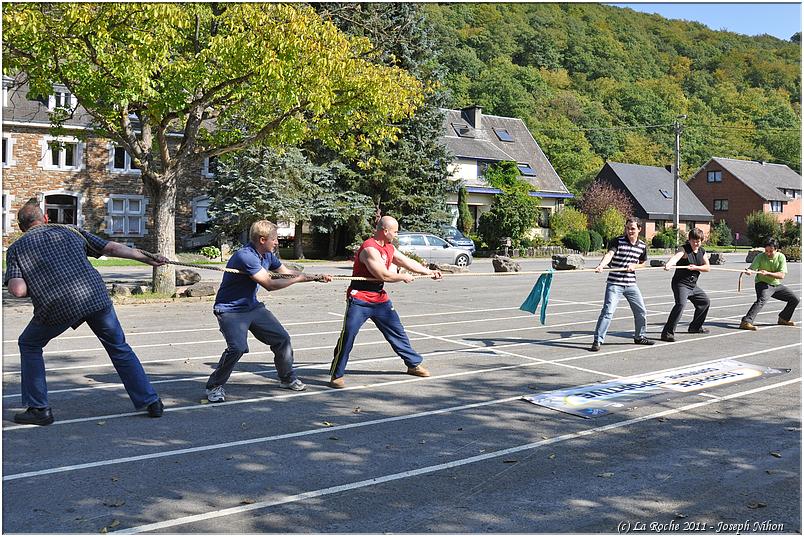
(630, 253)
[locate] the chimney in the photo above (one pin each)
(473, 114)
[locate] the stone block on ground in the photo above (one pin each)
(200, 289)
(657, 262)
(717, 258)
(120, 290)
(568, 262)
(448, 269)
(187, 277)
(294, 266)
(140, 289)
(752, 254)
(502, 263)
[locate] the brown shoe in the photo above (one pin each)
(785, 323)
(418, 371)
(337, 383)
(747, 326)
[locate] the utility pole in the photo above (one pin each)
(676, 180)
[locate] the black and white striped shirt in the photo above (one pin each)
(625, 254)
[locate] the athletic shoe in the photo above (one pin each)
(216, 394)
(699, 331)
(418, 371)
(296, 385)
(156, 409)
(785, 323)
(643, 341)
(595, 346)
(747, 326)
(337, 383)
(668, 338)
(35, 416)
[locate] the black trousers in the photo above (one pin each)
(779, 292)
(682, 293)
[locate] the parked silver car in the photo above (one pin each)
(433, 249)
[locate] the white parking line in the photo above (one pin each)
(320, 430)
(286, 499)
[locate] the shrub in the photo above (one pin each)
(210, 252)
(721, 235)
(577, 240)
(790, 234)
(792, 253)
(610, 224)
(567, 220)
(761, 226)
(662, 240)
(595, 241)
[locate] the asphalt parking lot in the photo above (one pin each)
(458, 452)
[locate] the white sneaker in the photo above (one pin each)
(296, 385)
(216, 395)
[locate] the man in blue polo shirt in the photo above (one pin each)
(238, 311)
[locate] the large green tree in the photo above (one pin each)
(146, 71)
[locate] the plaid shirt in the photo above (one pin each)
(63, 286)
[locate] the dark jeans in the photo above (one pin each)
(696, 295)
(387, 321)
(779, 292)
(107, 327)
(235, 326)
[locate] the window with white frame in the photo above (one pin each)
(126, 215)
(798, 219)
(8, 151)
(120, 160)
(209, 166)
(721, 205)
(7, 213)
(64, 153)
(776, 206)
(61, 98)
(715, 176)
(200, 217)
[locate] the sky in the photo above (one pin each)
(781, 20)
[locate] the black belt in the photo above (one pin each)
(362, 285)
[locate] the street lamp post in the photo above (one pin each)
(676, 179)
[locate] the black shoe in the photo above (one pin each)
(699, 331)
(35, 416)
(156, 409)
(595, 347)
(666, 337)
(643, 341)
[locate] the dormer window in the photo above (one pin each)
(667, 195)
(503, 135)
(62, 99)
(526, 170)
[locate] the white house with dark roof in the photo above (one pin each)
(477, 140)
(650, 189)
(733, 188)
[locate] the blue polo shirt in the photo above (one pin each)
(238, 292)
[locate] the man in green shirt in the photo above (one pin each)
(770, 267)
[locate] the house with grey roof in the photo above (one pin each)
(650, 189)
(477, 140)
(733, 188)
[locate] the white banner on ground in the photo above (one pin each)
(599, 399)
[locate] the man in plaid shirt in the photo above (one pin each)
(50, 265)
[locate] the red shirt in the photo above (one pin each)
(359, 269)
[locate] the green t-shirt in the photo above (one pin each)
(776, 264)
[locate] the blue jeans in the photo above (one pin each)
(235, 326)
(107, 327)
(613, 294)
(387, 321)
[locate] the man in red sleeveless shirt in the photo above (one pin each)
(368, 300)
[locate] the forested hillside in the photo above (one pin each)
(596, 82)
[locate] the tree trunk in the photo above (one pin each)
(298, 251)
(331, 243)
(163, 206)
